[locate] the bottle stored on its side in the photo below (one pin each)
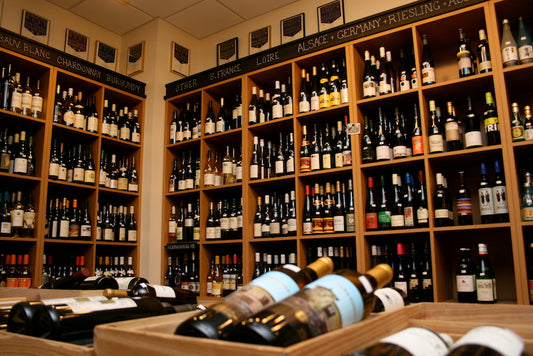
(329, 303)
(218, 320)
(165, 294)
(76, 321)
(489, 340)
(412, 341)
(98, 282)
(67, 282)
(390, 298)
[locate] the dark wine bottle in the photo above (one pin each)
(486, 199)
(67, 282)
(428, 68)
(463, 202)
(325, 305)
(465, 276)
(218, 320)
(76, 321)
(98, 282)
(167, 294)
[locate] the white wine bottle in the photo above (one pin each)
(412, 341)
(327, 304)
(489, 341)
(218, 320)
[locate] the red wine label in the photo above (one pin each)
(371, 220)
(305, 164)
(418, 145)
(328, 225)
(318, 225)
(12, 282)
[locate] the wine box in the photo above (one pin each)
(155, 336)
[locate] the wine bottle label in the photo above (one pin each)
(305, 164)
(280, 166)
(442, 213)
(132, 235)
(252, 116)
(465, 283)
(318, 225)
(350, 222)
(5, 227)
(509, 54)
(464, 60)
(56, 301)
(37, 103)
(54, 169)
(517, 133)
(79, 121)
(209, 179)
(109, 234)
(125, 133)
(122, 184)
(527, 213)
(24, 282)
(464, 206)
(418, 145)
(78, 174)
(502, 341)
(418, 342)
(257, 230)
(277, 111)
(227, 168)
(452, 131)
(92, 124)
(224, 223)
(304, 106)
(492, 124)
(100, 305)
(327, 225)
(122, 234)
(344, 95)
(404, 83)
(315, 161)
(209, 128)
(324, 101)
(473, 139)
(334, 98)
(334, 300)
(528, 134)
(172, 226)
(384, 217)
(436, 143)
(397, 221)
(68, 118)
(486, 201)
(486, 290)
(338, 223)
(25, 100)
(233, 223)
(287, 109)
(136, 137)
(29, 220)
(307, 228)
(383, 153)
(326, 161)
(499, 193)
(89, 176)
(85, 231)
(163, 291)
(369, 89)
(113, 183)
(21, 166)
(428, 74)
(17, 218)
(12, 282)
(409, 216)
(132, 187)
(16, 99)
(399, 151)
(113, 130)
(390, 298)
(315, 103)
(525, 53)
(371, 221)
(220, 126)
(210, 233)
(401, 285)
(181, 184)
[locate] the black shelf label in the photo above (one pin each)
(59, 59)
(357, 29)
(181, 246)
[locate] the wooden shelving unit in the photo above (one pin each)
(44, 130)
(505, 240)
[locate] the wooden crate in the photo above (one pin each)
(155, 336)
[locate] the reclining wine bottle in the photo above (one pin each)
(74, 322)
(21, 314)
(165, 294)
(67, 282)
(390, 298)
(412, 341)
(327, 304)
(489, 341)
(270, 288)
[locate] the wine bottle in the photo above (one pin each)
(167, 294)
(367, 144)
(508, 46)
(464, 56)
(371, 211)
(440, 200)
(210, 125)
(465, 275)
(463, 202)
(67, 282)
(410, 342)
(409, 201)
(404, 73)
(428, 68)
(453, 136)
(436, 135)
(369, 85)
(417, 141)
(525, 47)
(488, 340)
(307, 214)
(76, 321)
(527, 199)
(485, 278)
(486, 198)
(517, 127)
(384, 211)
(473, 136)
(499, 192)
(491, 121)
(397, 218)
(383, 149)
(305, 152)
(98, 282)
(483, 53)
(306, 314)
(399, 144)
(218, 320)
(221, 119)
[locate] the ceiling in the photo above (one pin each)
(199, 18)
